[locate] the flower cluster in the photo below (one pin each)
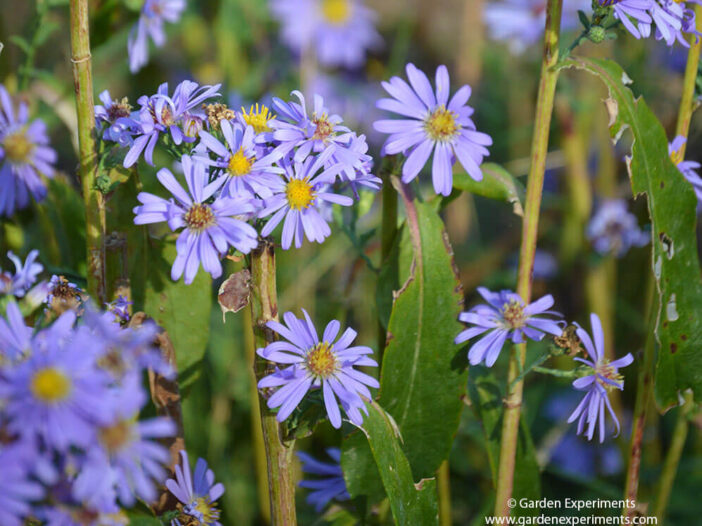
(70, 396)
(432, 123)
(672, 18)
(338, 31)
(614, 230)
(312, 363)
(25, 156)
(154, 14)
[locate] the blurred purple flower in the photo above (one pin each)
(505, 317)
(15, 336)
(613, 229)
(314, 363)
(294, 198)
(199, 494)
(25, 155)
(447, 130)
(330, 485)
(339, 31)
(25, 275)
(209, 226)
(687, 168)
(151, 21)
(17, 490)
(605, 377)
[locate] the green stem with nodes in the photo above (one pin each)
(279, 452)
(93, 199)
(672, 459)
(688, 103)
(530, 226)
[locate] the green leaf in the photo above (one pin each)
(497, 183)
(410, 503)
(487, 397)
(672, 208)
(182, 310)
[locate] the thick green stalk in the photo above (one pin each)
(539, 150)
(644, 390)
(672, 459)
(94, 201)
(688, 102)
(279, 453)
(443, 477)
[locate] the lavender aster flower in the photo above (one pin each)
(613, 229)
(634, 15)
(315, 363)
(331, 487)
(24, 277)
(15, 336)
(17, 490)
(151, 21)
(197, 495)
(605, 377)
(294, 198)
(207, 220)
(505, 317)
(687, 168)
(161, 113)
(120, 308)
(340, 30)
(434, 124)
(246, 174)
(25, 155)
(117, 115)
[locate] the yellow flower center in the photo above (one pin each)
(50, 385)
(18, 147)
(610, 373)
(513, 314)
(208, 509)
(258, 117)
(676, 157)
(199, 217)
(300, 194)
(321, 360)
(441, 125)
(336, 11)
(323, 129)
(115, 437)
(239, 164)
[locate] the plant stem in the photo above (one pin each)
(94, 202)
(279, 453)
(388, 231)
(688, 103)
(539, 150)
(443, 477)
(644, 389)
(672, 459)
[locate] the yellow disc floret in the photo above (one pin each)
(323, 128)
(513, 314)
(239, 164)
(336, 11)
(321, 360)
(258, 118)
(115, 437)
(610, 373)
(199, 217)
(18, 147)
(300, 194)
(441, 124)
(50, 385)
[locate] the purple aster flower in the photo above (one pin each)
(198, 495)
(634, 15)
(63, 295)
(56, 394)
(521, 22)
(151, 21)
(331, 484)
(161, 113)
(17, 490)
(295, 196)
(120, 308)
(246, 174)
(505, 317)
(687, 168)
(15, 336)
(208, 222)
(315, 363)
(435, 124)
(24, 277)
(25, 155)
(117, 116)
(126, 459)
(613, 229)
(339, 31)
(604, 377)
